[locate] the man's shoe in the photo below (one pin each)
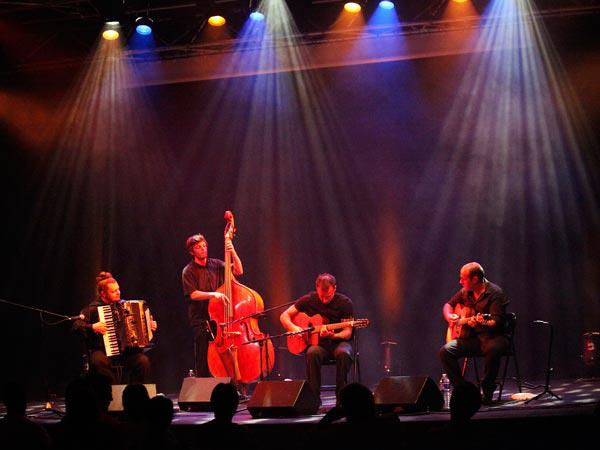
(488, 394)
(487, 400)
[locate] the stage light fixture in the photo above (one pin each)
(257, 16)
(386, 4)
(143, 25)
(110, 35)
(352, 7)
(255, 13)
(111, 30)
(460, 1)
(216, 21)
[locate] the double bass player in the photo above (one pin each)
(201, 278)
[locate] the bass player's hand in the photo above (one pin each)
(219, 296)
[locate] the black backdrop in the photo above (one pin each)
(361, 200)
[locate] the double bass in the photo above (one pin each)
(233, 352)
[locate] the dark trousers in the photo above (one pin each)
(201, 339)
(315, 355)
(135, 362)
(491, 348)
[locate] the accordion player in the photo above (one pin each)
(116, 332)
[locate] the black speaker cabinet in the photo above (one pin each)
(282, 399)
(116, 405)
(412, 394)
(195, 393)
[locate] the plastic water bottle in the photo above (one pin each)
(446, 389)
(191, 373)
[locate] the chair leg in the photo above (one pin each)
(507, 357)
(519, 379)
(356, 369)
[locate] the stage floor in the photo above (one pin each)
(578, 397)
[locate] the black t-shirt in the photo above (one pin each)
(492, 301)
(201, 278)
(338, 309)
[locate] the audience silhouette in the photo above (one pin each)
(16, 430)
(464, 403)
(222, 432)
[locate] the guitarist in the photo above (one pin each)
(333, 307)
(486, 337)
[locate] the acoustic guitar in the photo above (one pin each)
(313, 325)
(460, 329)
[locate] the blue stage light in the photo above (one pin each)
(144, 30)
(143, 25)
(258, 16)
(386, 4)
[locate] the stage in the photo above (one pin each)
(509, 424)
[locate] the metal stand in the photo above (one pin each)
(387, 357)
(549, 368)
(261, 343)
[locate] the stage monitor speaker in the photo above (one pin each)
(116, 405)
(411, 393)
(282, 399)
(195, 393)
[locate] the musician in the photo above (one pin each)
(201, 278)
(92, 329)
(334, 307)
(486, 336)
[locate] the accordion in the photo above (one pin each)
(128, 325)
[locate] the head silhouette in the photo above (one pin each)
(135, 401)
(81, 401)
(224, 401)
(357, 403)
(465, 402)
(160, 412)
(101, 385)
(14, 399)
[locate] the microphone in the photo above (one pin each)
(542, 322)
(80, 316)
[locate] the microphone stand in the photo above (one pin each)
(261, 343)
(549, 368)
(258, 314)
(43, 311)
(49, 405)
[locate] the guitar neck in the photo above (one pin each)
(335, 326)
(464, 320)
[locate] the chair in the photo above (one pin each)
(116, 367)
(510, 327)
